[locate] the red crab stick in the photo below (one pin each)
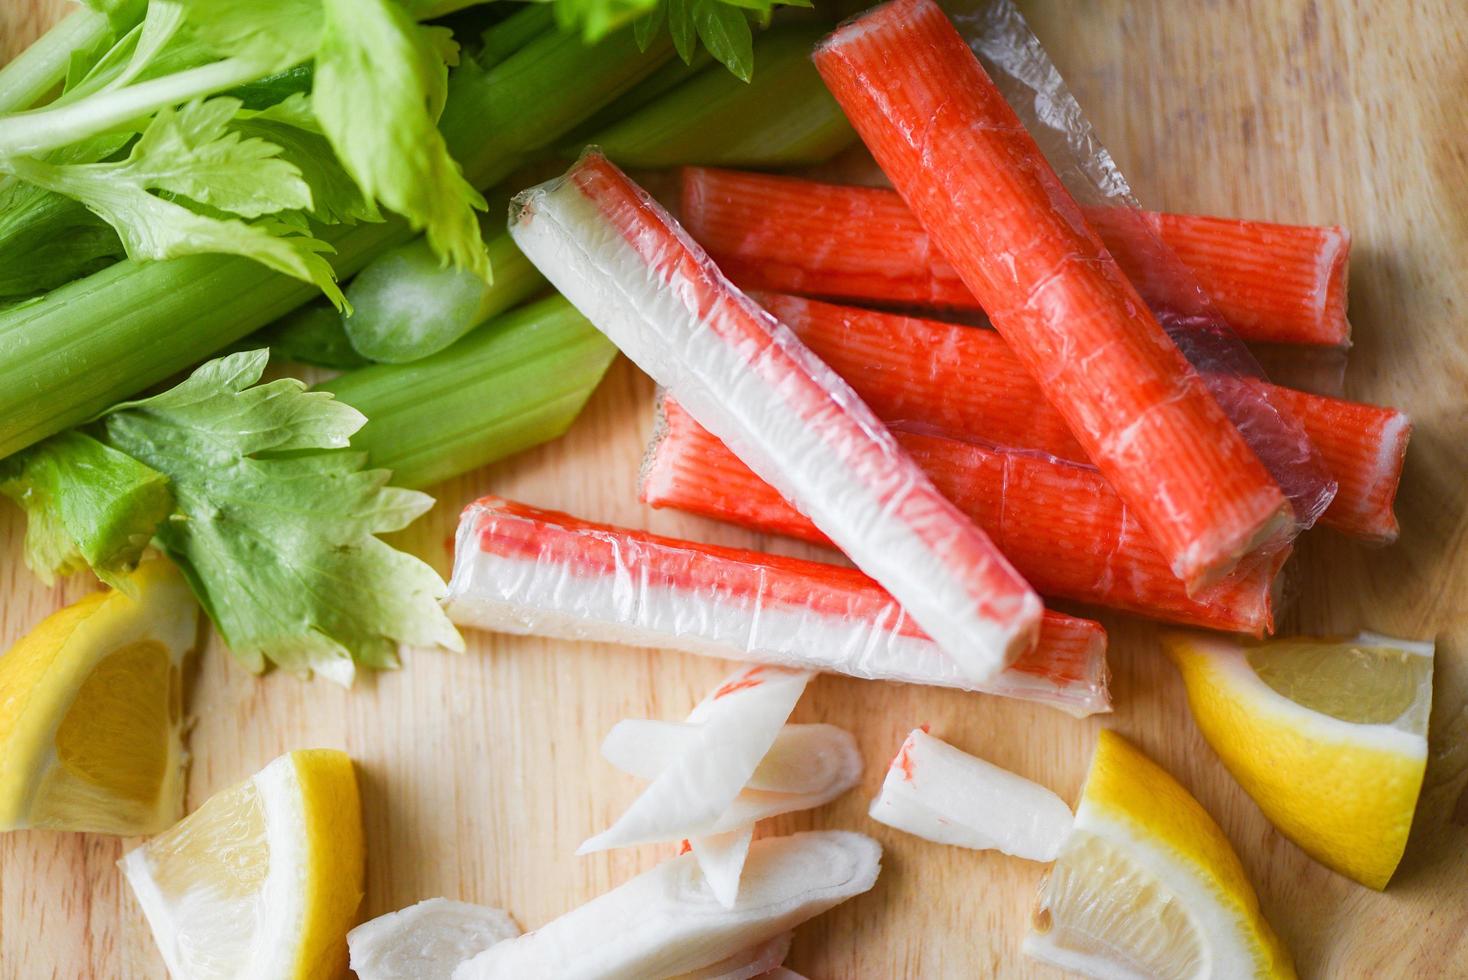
(1059, 522)
(965, 382)
(519, 569)
(1273, 283)
(629, 268)
(977, 182)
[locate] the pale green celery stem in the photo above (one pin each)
(43, 130)
(515, 382)
(783, 116)
(92, 342)
(407, 305)
(43, 65)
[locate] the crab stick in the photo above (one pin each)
(965, 382)
(1059, 522)
(519, 569)
(628, 267)
(666, 923)
(979, 185)
(945, 795)
(1272, 283)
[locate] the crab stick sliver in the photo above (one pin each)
(976, 180)
(1273, 283)
(666, 922)
(519, 569)
(1059, 522)
(628, 267)
(966, 382)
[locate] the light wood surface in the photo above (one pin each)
(480, 771)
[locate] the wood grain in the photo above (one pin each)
(480, 772)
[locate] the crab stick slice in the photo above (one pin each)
(426, 941)
(967, 383)
(1273, 283)
(976, 180)
(666, 922)
(945, 795)
(1059, 522)
(628, 267)
(519, 569)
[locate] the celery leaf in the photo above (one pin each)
(381, 80)
(86, 504)
(724, 30)
(274, 33)
(292, 125)
(190, 153)
(277, 521)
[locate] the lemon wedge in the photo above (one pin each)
(1328, 736)
(91, 711)
(262, 881)
(1146, 885)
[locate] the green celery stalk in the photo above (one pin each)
(514, 382)
(514, 32)
(42, 66)
(85, 345)
(671, 75)
(406, 304)
(782, 117)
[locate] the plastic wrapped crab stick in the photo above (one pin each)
(519, 569)
(628, 267)
(945, 795)
(978, 183)
(666, 923)
(965, 382)
(1273, 283)
(1059, 522)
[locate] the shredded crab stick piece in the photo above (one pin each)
(806, 766)
(807, 760)
(1272, 283)
(628, 267)
(943, 794)
(429, 940)
(703, 792)
(666, 922)
(518, 569)
(426, 941)
(1060, 523)
(977, 182)
(965, 382)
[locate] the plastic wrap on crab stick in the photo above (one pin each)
(978, 182)
(965, 382)
(519, 569)
(1272, 283)
(666, 923)
(633, 272)
(945, 795)
(1058, 521)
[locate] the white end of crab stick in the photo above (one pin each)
(630, 270)
(426, 941)
(667, 922)
(943, 794)
(733, 730)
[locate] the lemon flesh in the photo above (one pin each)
(1148, 886)
(91, 711)
(1328, 736)
(263, 880)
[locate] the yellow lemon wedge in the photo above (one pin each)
(262, 881)
(91, 711)
(1328, 736)
(1147, 885)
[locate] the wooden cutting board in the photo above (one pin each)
(480, 771)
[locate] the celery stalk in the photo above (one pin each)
(407, 304)
(514, 32)
(42, 66)
(782, 117)
(70, 355)
(515, 382)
